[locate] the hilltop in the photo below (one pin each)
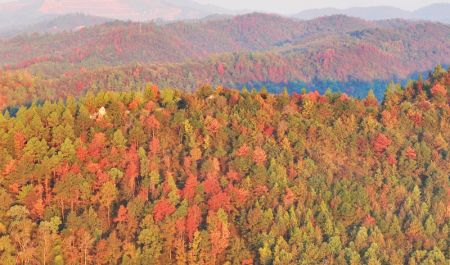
(221, 176)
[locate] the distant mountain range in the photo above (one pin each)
(436, 12)
(132, 9)
(22, 13)
(22, 16)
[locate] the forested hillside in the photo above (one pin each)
(249, 50)
(70, 22)
(220, 176)
(124, 42)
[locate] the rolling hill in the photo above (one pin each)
(344, 53)
(331, 42)
(69, 22)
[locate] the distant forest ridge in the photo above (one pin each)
(345, 54)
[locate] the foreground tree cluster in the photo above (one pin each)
(226, 177)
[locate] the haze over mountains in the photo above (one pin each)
(26, 12)
(132, 9)
(435, 12)
(21, 15)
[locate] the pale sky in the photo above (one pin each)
(294, 6)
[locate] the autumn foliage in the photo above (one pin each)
(162, 209)
(381, 143)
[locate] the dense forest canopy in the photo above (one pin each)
(220, 176)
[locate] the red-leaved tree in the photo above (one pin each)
(193, 220)
(162, 209)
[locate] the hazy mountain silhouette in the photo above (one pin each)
(27, 12)
(435, 12)
(19, 15)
